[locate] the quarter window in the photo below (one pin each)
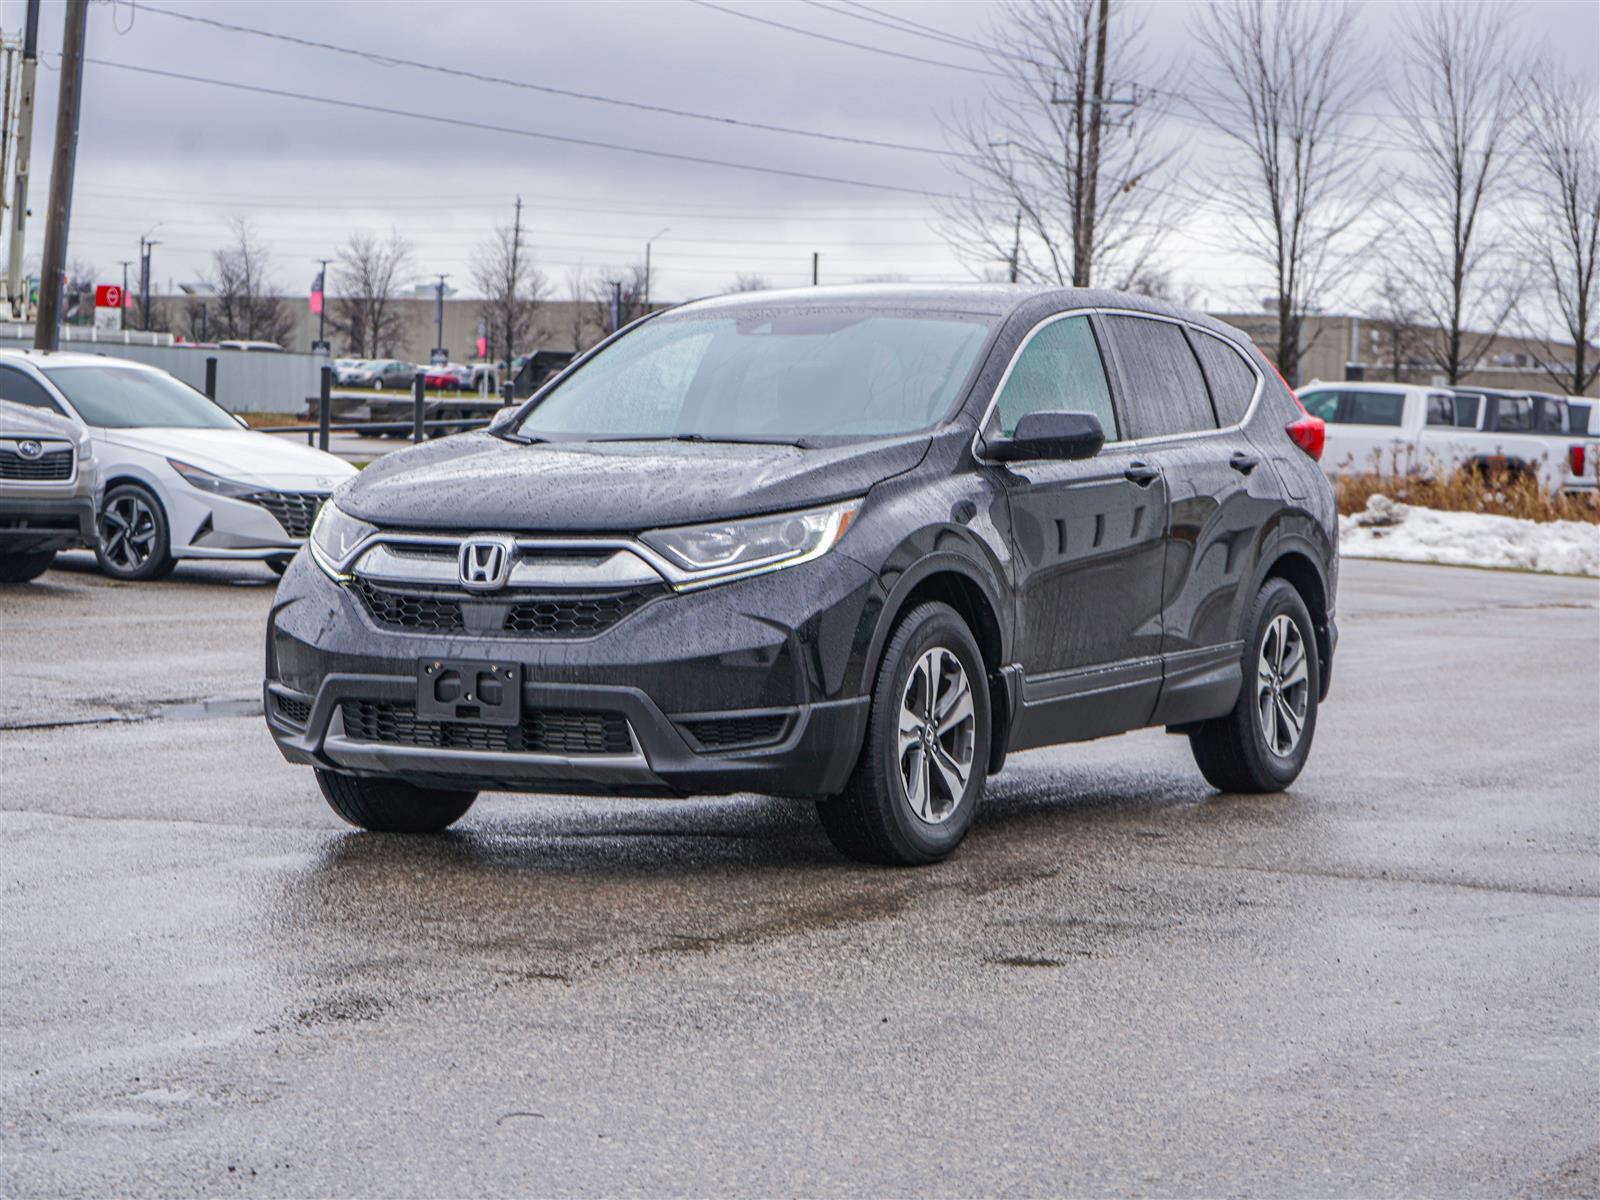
(1166, 394)
(1232, 382)
(20, 389)
(1059, 370)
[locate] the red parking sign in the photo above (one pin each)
(108, 295)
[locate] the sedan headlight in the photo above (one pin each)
(706, 554)
(335, 537)
(215, 484)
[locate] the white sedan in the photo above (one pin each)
(184, 478)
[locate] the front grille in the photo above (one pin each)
(297, 712)
(295, 511)
(53, 466)
(541, 731)
(727, 733)
(498, 613)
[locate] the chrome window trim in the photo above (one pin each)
(1101, 310)
(11, 441)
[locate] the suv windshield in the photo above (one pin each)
(126, 398)
(760, 374)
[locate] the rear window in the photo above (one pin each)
(1513, 414)
(1232, 382)
(1166, 393)
(1321, 404)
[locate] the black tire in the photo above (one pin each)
(152, 559)
(392, 806)
(874, 820)
(279, 565)
(1233, 751)
(20, 568)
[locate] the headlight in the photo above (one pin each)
(725, 550)
(335, 537)
(215, 484)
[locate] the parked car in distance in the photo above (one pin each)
(530, 372)
(379, 374)
(855, 544)
(1583, 455)
(1393, 428)
(486, 378)
(450, 377)
(343, 370)
(49, 490)
(183, 478)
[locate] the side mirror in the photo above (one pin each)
(1050, 435)
(504, 416)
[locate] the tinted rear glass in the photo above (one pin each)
(1513, 414)
(1166, 394)
(1372, 408)
(1232, 382)
(21, 389)
(1459, 412)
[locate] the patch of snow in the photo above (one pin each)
(1388, 529)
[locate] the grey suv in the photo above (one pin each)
(49, 490)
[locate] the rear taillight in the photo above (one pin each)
(1308, 433)
(1575, 459)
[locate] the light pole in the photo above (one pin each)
(438, 316)
(322, 298)
(659, 233)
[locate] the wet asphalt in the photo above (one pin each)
(1385, 981)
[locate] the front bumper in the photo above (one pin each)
(748, 686)
(35, 525)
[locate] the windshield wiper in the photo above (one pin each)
(725, 439)
(522, 439)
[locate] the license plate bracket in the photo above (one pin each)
(458, 689)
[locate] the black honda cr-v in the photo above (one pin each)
(854, 544)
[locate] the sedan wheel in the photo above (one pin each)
(132, 529)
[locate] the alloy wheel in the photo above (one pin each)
(128, 532)
(937, 733)
(1283, 686)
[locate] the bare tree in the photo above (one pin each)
(1558, 229)
(580, 309)
(1456, 100)
(619, 290)
(244, 306)
(744, 282)
(512, 287)
(1161, 283)
(1049, 191)
(77, 297)
(1281, 81)
(1393, 314)
(369, 272)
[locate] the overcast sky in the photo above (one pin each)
(183, 157)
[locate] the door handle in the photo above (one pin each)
(1140, 473)
(1242, 462)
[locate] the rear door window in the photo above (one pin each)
(1059, 370)
(1372, 408)
(1231, 380)
(1552, 416)
(23, 389)
(1457, 412)
(1165, 393)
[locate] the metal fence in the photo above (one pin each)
(419, 427)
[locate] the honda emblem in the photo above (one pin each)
(485, 563)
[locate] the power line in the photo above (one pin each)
(933, 62)
(886, 21)
(928, 31)
(463, 123)
(479, 77)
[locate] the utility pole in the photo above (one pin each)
(616, 305)
(816, 259)
(16, 295)
(10, 69)
(653, 237)
(145, 246)
(1016, 245)
(47, 322)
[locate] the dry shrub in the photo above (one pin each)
(1505, 495)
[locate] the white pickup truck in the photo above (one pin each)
(1394, 427)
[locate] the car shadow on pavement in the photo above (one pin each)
(189, 571)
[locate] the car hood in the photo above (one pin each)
(272, 460)
(477, 481)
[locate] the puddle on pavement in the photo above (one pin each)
(200, 710)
